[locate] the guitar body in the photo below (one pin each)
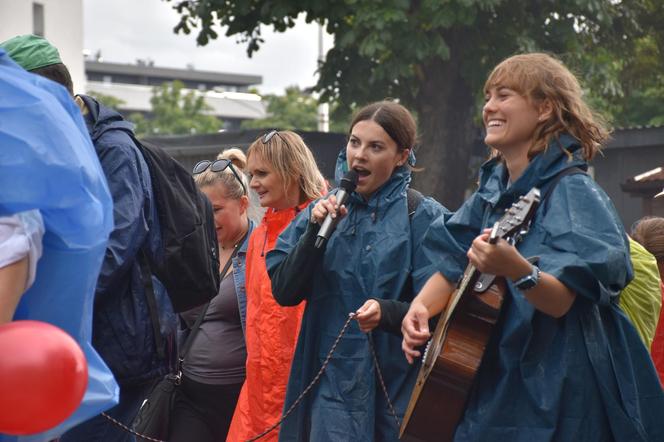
(456, 349)
(450, 364)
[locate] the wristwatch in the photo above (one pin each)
(529, 281)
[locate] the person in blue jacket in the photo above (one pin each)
(564, 363)
(376, 252)
(51, 180)
(123, 330)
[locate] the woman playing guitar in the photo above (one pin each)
(563, 363)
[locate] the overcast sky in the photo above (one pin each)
(126, 30)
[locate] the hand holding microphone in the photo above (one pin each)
(328, 212)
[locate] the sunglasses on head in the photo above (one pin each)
(268, 136)
(217, 166)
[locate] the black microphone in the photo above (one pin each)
(346, 187)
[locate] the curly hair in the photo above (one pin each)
(539, 77)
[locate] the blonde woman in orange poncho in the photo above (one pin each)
(285, 176)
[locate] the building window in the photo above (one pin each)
(107, 79)
(38, 19)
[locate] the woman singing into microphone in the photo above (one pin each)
(376, 251)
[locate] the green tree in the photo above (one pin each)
(295, 110)
(107, 100)
(176, 113)
(434, 55)
(641, 93)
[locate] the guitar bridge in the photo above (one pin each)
(426, 362)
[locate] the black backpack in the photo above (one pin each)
(189, 264)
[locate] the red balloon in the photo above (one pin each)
(43, 376)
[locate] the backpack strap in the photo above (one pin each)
(148, 287)
(414, 199)
(554, 182)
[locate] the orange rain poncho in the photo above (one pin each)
(271, 336)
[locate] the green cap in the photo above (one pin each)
(31, 51)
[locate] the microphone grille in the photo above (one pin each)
(349, 181)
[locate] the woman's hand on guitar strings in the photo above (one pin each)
(368, 316)
(500, 259)
(415, 329)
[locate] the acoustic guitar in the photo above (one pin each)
(454, 353)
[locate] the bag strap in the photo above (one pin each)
(413, 198)
(554, 182)
(148, 288)
(194, 329)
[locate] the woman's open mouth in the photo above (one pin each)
(362, 173)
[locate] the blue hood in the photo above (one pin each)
(563, 153)
(103, 119)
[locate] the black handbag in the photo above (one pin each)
(154, 417)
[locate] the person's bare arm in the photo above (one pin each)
(431, 300)
(13, 281)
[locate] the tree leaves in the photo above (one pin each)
(415, 50)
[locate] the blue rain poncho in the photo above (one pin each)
(370, 255)
(48, 163)
(585, 376)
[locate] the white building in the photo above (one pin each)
(226, 94)
(61, 22)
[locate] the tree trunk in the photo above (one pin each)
(445, 106)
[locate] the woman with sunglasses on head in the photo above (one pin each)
(214, 363)
(285, 176)
(376, 251)
(563, 363)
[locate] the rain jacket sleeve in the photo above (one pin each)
(426, 253)
(450, 235)
(20, 236)
(426, 257)
(392, 313)
(588, 255)
(120, 165)
(291, 274)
